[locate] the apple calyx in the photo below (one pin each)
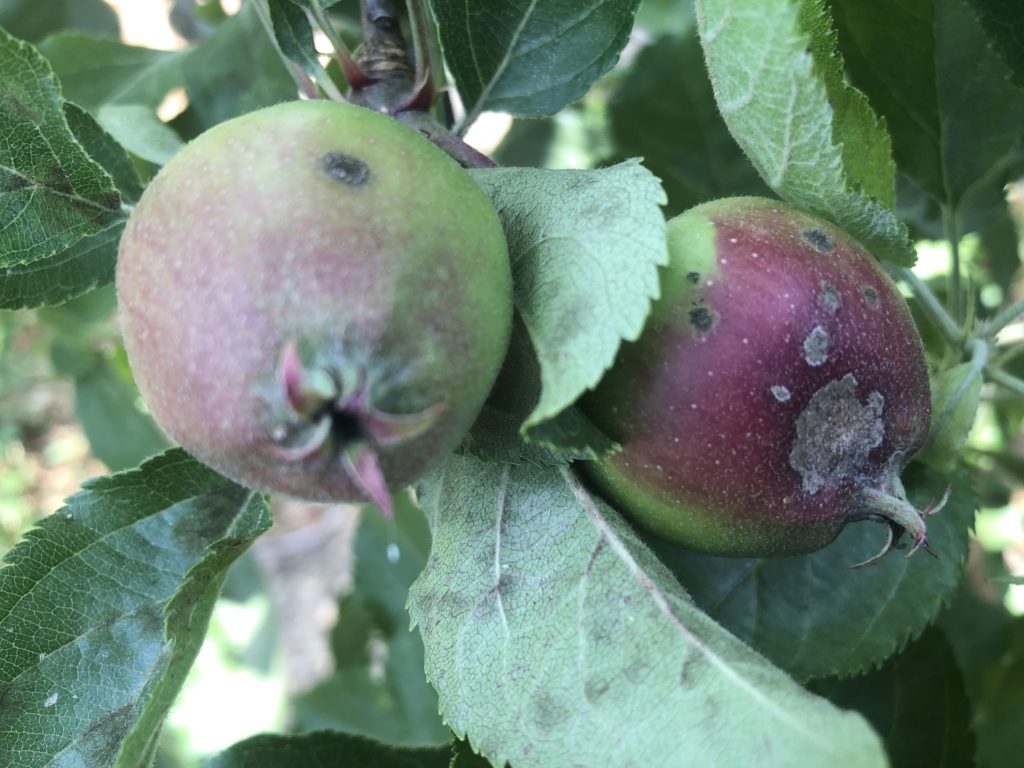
(331, 412)
(900, 517)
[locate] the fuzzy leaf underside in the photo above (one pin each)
(585, 248)
(778, 84)
(555, 637)
(88, 672)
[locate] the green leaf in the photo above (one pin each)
(955, 117)
(327, 748)
(1001, 21)
(295, 35)
(95, 71)
(104, 606)
(811, 614)
(916, 702)
(778, 83)
(120, 434)
(386, 700)
(90, 262)
(664, 110)
(33, 19)
(104, 149)
(496, 437)
(528, 58)
(234, 71)
(955, 396)
(140, 131)
(585, 247)
(554, 637)
(52, 194)
(1000, 707)
(87, 264)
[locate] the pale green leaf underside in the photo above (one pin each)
(554, 638)
(775, 99)
(585, 247)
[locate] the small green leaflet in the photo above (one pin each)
(815, 141)
(87, 674)
(582, 647)
(585, 248)
(529, 58)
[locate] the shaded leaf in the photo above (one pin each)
(96, 71)
(1001, 21)
(103, 608)
(932, 93)
(779, 86)
(120, 434)
(585, 247)
(916, 701)
(33, 19)
(815, 617)
(234, 71)
(52, 194)
(554, 637)
(528, 58)
(326, 748)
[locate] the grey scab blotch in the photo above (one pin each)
(347, 169)
(835, 434)
(870, 296)
(829, 297)
(819, 240)
(816, 346)
(780, 393)
(693, 277)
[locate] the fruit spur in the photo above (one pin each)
(776, 394)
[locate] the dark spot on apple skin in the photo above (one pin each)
(702, 318)
(693, 277)
(349, 170)
(829, 297)
(870, 296)
(818, 240)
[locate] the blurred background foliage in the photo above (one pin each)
(311, 631)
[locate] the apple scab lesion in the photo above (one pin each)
(816, 346)
(835, 434)
(347, 169)
(702, 318)
(829, 297)
(818, 240)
